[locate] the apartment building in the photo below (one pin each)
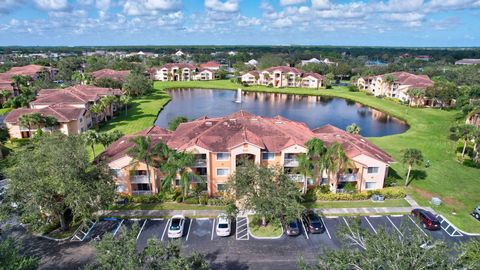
(398, 88)
(71, 120)
(221, 145)
(174, 72)
(283, 76)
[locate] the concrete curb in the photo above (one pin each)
(455, 227)
(260, 237)
(51, 238)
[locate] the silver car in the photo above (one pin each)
(175, 229)
(224, 225)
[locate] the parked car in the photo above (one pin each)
(476, 212)
(313, 222)
(292, 227)
(224, 225)
(175, 230)
(429, 221)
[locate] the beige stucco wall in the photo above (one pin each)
(378, 178)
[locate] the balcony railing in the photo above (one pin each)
(140, 179)
(348, 178)
(290, 162)
(198, 178)
(141, 192)
(200, 163)
(296, 177)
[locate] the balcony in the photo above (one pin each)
(140, 179)
(198, 179)
(296, 177)
(200, 162)
(351, 177)
(290, 162)
(141, 192)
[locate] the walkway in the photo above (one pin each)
(366, 210)
(411, 201)
(159, 213)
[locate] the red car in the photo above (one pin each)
(429, 220)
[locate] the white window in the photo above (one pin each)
(372, 170)
(177, 182)
(222, 172)
(223, 156)
(370, 185)
(268, 156)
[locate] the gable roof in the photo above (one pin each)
(210, 64)
(170, 66)
(77, 94)
(118, 75)
(63, 114)
(314, 75)
(28, 70)
(284, 69)
(416, 81)
(353, 145)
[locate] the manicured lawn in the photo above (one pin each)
(357, 204)
(457, 185)
(273, 228)
(5, 110)
(166, 206)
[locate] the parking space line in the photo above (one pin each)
(141, 228)
(305, 229)
(371, 226)
(326, 229)
(157, 219)
(165, 230)
(416, 225)
(213, 228)
(396, 215)
(394, 226)
(118, 227)
(189, 226)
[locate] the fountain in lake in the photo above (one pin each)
(239, 96)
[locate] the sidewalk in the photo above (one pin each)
(159, 213)
(364, 210)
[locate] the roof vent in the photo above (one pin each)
(122, 141)
(254, 119)
(278, 122)
(362, 140)
(208, 124)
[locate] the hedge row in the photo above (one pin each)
(388, 193)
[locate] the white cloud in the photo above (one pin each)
(321, 4)
(150, 7)
(282, 23)
(103, 4)
(52, 4)
(291, 2)
(6, 6)
(401, 6)
(223, 6)
(404, 17)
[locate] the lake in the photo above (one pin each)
(315, 111)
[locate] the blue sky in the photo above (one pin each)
(240, 22)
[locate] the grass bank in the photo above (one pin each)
(457, 185)
(358, 204)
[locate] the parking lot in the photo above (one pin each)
(199, 235)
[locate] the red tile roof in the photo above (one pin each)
(210, 64)
(118, 75)
(77, 94)
(353, 145)
(63, 114)
(221, 134)
(314, 75)
(169, 66)
(416, 81)
(29, 70)
(284, 69)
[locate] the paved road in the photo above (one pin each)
(239, 251)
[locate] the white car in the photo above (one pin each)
(175, 229)
(223, 225)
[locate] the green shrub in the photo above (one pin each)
(203, 199)
(391, 192)
(191, 200)
(216, 202)
(311, 195)
(353, 88)
(179, 198)
(325, 189)
(388, 193)
(145, 199)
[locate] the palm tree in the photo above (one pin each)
(305, 167)
(91, 138)
(353, 129)
(142, 151)
(179, 163)
(266, 77)
(78, 77)
(50, 122)
(462, 132)
(337, 161)
(30, 120)
(5, 94)
(389, 79)
(411, 157)
(106, 103)
(125, 100)
(298, 81)
(96, 110)
(316, 152)
(416, 94)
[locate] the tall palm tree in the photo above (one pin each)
(266, 77)
(106, 103)
(179, 164)
(143, 151)
(316, 151)
(125, 100)
(411, 157)
(389, 79)
(463, 132)
(30, 120)
(353, 129)
(337, 161)
(416, 94)
(305, 167)
(96, 110)
(91, 138)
